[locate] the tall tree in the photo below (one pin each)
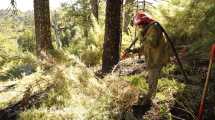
(95, 8)
(42, 26)
(112, 40)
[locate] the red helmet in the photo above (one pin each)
(142, 19)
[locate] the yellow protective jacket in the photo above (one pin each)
(154, 46)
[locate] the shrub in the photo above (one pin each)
(26, 41)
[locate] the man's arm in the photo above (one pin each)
(132, 44)
(135, 50)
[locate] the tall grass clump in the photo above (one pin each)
(78, 94)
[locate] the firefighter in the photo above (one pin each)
(155, 48)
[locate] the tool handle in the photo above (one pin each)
(146, 28)
(201, 108)
(174, 51)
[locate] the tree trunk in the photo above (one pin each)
(112, 40)
(127, 14)
(42, 26)
(95, 8)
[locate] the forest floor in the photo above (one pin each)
(47, 94)
(186, 101)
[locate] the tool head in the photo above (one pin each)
(141, 18)
(201, 110)
(124, 56)
(212, 54)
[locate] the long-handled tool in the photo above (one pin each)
(125, 53)
(202, 103)
(174, 51)
(171, 44)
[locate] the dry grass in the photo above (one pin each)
(78, 94)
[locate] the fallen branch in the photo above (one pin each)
(11, 112)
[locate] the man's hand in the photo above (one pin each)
(128, 50)
(125, 53)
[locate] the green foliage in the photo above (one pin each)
(201, 47)
(169, 69)
(139, 81)
(76, 90)
(91, 56)
(187, 21)
(41, 115)
(90, 52)
(26, 41)
(64, 29)
(13, 63)
(16, 66)
(77, 14)
(59, 95)
(80, 30)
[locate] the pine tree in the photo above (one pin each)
(111, 46)
(42, 26)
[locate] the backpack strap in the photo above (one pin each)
(144, 33)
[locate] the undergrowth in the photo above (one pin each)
(78, 94)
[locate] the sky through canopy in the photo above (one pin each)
(25, 5)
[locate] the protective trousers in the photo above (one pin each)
(153, 76)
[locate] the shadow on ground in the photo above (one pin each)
(187, 101)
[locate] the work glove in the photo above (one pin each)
(128, 50)
(125, 54)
